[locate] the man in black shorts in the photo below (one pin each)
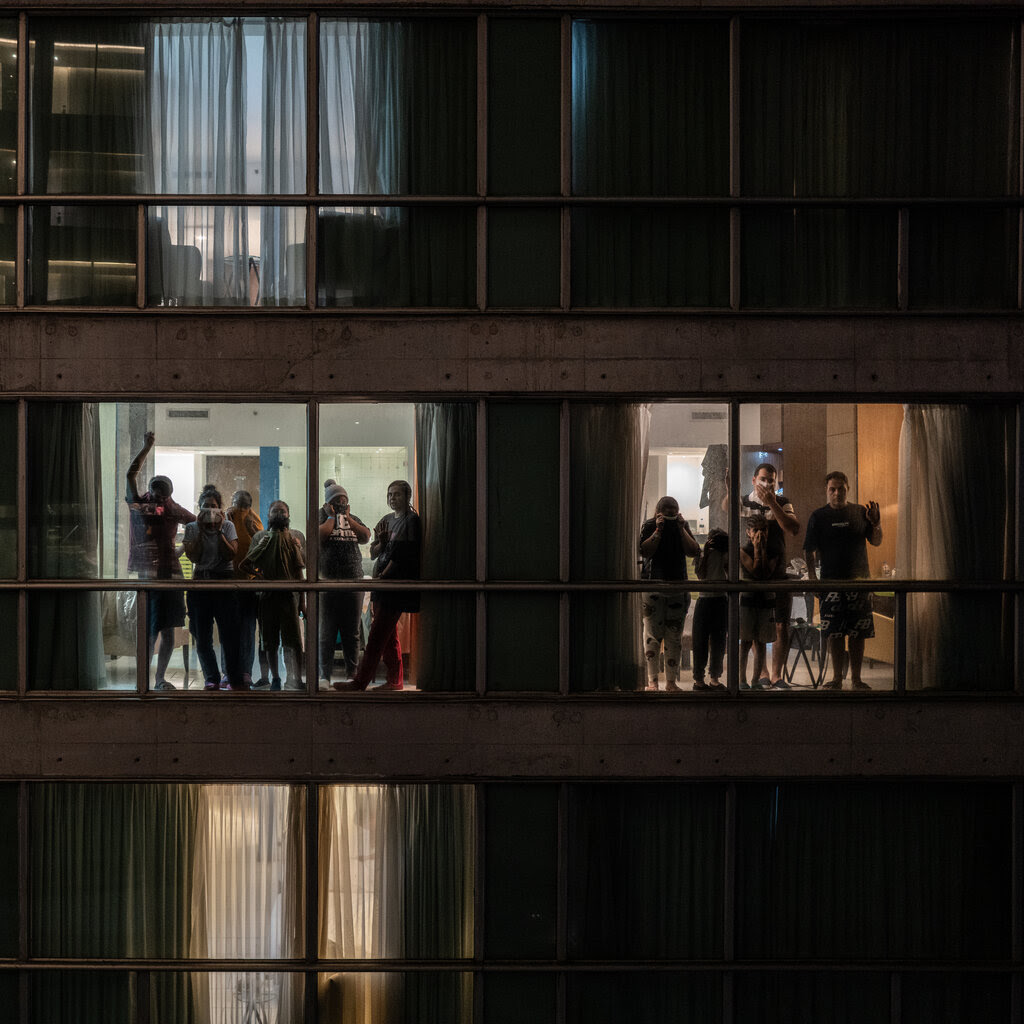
(836, 534)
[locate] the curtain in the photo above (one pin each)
(446, 488)
(197, 117)
(64, 532)
(607, 470)
(110, 876)
(956, 523)
(247, 891)
(397, 881)
(897, 871)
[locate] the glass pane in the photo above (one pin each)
(8, 251)
(397, 106)
(650, 256)
(72, 997)
(513, 998)
(122, 871)
(81, 256)
(8, 491)
(10, 992)
(396, 256)
(522, 642)
(114, 105)
(898, 870)
(8, 105)
(523, 89)
(962, 259)
(643, 998)
(522, 472)
(8, 871)
(226, 996)
(521, 879)
(225, 256)
(943, 997)
(9, 640)
(82, 640)
(656, 88)
(687, 473)
(397, 872)
(647, 879)
(419, 996)
(776, 998)
(879, 107)
(523, 257)
(819, 259)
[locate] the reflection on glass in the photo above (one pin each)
(397, 872)
(225, 256)
(396, 256)
(420, 996)
(82, 256)
(397, 106)
(8, 105)
(8, 250)
(9, 640)
(115, 105)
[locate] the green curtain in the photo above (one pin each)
(64, 531)
(110, 876)
(646, 879)
(446, 485)
(889, 870)
(608, 462)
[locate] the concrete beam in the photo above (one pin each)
(278, 738)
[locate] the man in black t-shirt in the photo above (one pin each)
(836, 536)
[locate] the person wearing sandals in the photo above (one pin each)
(838, 534)
(665, 542)
(711, 613)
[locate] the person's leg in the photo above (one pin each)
(270, 625)
(327, 631)
(654, 631)
(856, 649)
(780, 648)
(291, 640)
(391, 654)
(745, 646)
(381, 628)
(676, 606)
(226, 614)
(760, 656)
(202, 609)
(349, 607)
(163, 657)
(837, 655)
(246, 633)
(718, 629)
(702, 617)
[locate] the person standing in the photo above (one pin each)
(711, 613)
(665, 542)
(247, 524)
(837, 537)
(341, 533)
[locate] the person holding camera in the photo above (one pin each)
(153, 520)
(665, 542)
(211, 542)
(341, 533)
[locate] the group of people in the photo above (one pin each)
(835, 541)
(225, 544)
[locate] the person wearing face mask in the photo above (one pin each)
(396, 545)
(211, 543)
(341, 533)
(665, 542)
(153, 523)
(277, 553)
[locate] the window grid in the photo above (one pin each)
(735, 203)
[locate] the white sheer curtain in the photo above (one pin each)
(197, 122)
(247, 900)
(956, 523)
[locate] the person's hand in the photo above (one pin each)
(659, 521)
(328, 509)
(874, 513)
(150, 438)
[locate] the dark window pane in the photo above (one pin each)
(397, 107)
(769, 998)
(647, 878)
(521, 880)
(8, 490)
(9, 641)
(523, 90)
(598, 998)
(8, 105)
(963, 259)
(942, 997)
(912, 870)
(650, 107)
(819, 259)
(522, 473)
(8, 870)
(71, 997)
(514, 998)
(523, 257)
(81, 256)
(647, 256)
(8, 252)
(522, 642)
(419, 996)
(879, 108)
(396, 256)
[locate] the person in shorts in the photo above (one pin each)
(837, 537)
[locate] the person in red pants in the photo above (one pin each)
(397, 540)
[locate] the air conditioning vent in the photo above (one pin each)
(188, 414)
(701, 414)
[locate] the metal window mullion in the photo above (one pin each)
(564, 554)
(479, 952)
(562, 906)
(24, 851)
(900, 644)
(481, 545)
(1020, 166)
(312, 899)
(142, 658)
(1018, 555)
(21, 569)
(312, 544)
(565, 163)
(481, 160)
(312, 150)
(734, 163)
(141, 256)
